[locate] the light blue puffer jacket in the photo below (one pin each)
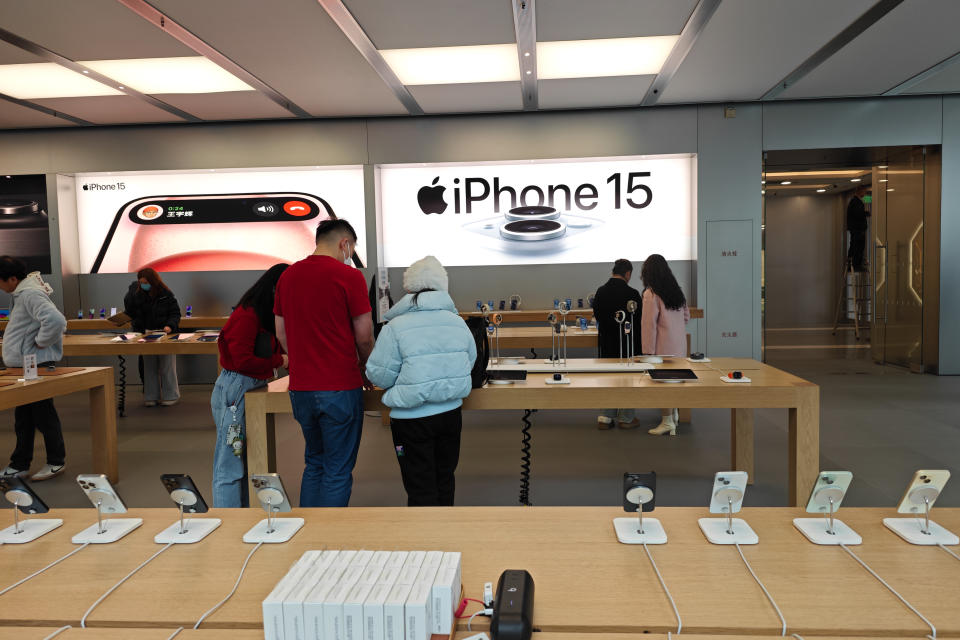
(423, 357)
(35, 324)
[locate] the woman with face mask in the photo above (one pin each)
(152, 307)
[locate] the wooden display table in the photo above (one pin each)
(585, 580)
(103, 418)
(771, 388)
(540, 315)
(99, 324)
(102, 633)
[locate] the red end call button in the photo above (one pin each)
(296, 208)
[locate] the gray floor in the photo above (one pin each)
(882, 423)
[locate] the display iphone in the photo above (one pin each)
(829, 484)
(181, 489)
(930, 482)
(264, 481)
(185, 233)
(99, 490)
(18, 492)
(728, 485)
(632, 482)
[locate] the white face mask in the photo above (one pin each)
(346, 257)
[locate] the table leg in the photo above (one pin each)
(385, 416)
(741, 441)
(804, 443)
(103, 429)
(261, 435)
(685, 415)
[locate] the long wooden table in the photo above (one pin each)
(101, 633)
(540, 315)
(103, 417)
(100, 324)
(771, 388)
(585, 580)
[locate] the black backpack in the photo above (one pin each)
(478, 327)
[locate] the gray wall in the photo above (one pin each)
(804, 255)
(729, 164)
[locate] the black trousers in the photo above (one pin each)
(428, 450)
(37, 416)
(858, 242)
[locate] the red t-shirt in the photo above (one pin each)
(318, 298)
(236, 342)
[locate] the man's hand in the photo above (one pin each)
(286, 360)
(367, 385)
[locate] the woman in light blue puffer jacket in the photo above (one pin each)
(423, 358)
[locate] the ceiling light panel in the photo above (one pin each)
(194, 74)
(48, 80)
(455, 65)
(602, 58)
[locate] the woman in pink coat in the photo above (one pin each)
(663, 323)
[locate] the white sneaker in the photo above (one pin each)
(604, 423)
(10, 472)
(48, 471)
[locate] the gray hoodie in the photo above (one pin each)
(35, 324)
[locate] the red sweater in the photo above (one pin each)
(236, 342)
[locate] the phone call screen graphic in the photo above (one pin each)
(249, 230)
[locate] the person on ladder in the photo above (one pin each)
(857, 215)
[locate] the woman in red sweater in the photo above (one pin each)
(249, 354)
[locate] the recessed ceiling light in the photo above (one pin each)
(120, 87)
(193, 74)
(785, 182)
(526, 54)
(881, 166)
(762, 191)
(883, 180)
(455, 65)
(48, 80)
(821, 190)
(529, 72)
(763, 182)
(854, 179)
(889, 189)
(85, 71)
(603, 57)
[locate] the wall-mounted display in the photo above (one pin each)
(212, 220)
(538, 211)
(24, 226)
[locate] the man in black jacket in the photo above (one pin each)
(610, 298)
(857, 215)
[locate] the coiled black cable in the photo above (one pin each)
(122, 391)
(525, 458)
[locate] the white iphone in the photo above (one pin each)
(830, 485)
(926, 484)
(728, 490)
(99, 490)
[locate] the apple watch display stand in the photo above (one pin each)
(28, 530)
(187, 531)
(922, 532)
(106, 531)
(272, 530)
(728, 530)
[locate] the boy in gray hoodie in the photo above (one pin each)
(35, 326)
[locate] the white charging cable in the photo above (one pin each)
(948, 551)
(232, 591)
(52, 564)
(175, 633)
(783, 621)
(933, 629)
(665, 589)
(58, 631)
(83, 620)
(482, 612)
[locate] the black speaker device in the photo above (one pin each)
(513, 606)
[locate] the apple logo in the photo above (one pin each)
(85, 187)
(431, 199)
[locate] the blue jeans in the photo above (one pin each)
(331, 422)
(230, 471)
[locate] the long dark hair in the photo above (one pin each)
(156, 283)
(657, 277)
(260, 296)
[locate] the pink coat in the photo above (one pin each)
(663, 331)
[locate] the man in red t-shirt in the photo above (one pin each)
(324, 324)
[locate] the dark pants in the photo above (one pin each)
(858, 241)
(40, 416)
(428, 450)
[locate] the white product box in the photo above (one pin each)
(415, 558)
(446, 596)
(333, 620)
(433, 558)
(427, 574)
(450, 559)
(353, 611)
(417, 615)
(294, 626)
(373, 611)
(352, 574)
(362, 557)
(393, 612)
(408, 575)
(371, 574)
(389, 575)
(313, 603)
(273, 603)
(397, 558)
(345, 558)
(379, 558)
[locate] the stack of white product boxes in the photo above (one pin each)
(365, 595)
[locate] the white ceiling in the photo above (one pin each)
(301, 55)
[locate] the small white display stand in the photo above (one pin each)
(820, 531)
(187, 531)
(28, 530)
(912, 530)
(728, 531)
(109, 530)
(629, 531)
(279, 530)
